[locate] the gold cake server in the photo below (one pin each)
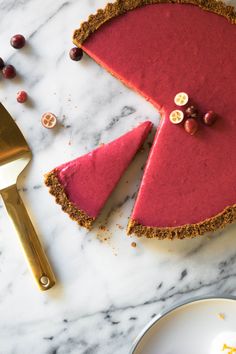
(15, 154)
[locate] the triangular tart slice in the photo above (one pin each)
(82, 186)
(161, 49)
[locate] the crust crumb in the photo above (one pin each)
(221, 316)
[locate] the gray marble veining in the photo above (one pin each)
(107, 290)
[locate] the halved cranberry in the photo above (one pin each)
(49, 120)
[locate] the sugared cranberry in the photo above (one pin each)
(191, 112)
(76, 53)
(210, 118)
(191, 126)
(9, 72)
(21, 96)
(1, 64)
(17, 41)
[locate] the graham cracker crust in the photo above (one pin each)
(219, 221)
(120, 7)
(57, 190)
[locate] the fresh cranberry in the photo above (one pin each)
(9, 72)
(191, 112)
(21, 96)
(1, 64)
(210, 118)
(191, 126)
(76, 53)
(17, 41)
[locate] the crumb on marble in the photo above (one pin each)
(133, 244)
(221, 316)
(102, 228)
(120, 226)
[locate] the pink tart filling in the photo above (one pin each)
(160, 50)
(89, 180)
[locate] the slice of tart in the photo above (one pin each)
(161, 49)
(82, 186)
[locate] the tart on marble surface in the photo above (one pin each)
(160, 49)
(82, 186)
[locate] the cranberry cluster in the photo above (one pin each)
(191, 115)
(191, 124)
(8, 71)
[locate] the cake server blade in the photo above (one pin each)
(15, 154)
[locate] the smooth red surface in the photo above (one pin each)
(89, 180)
(160, 50)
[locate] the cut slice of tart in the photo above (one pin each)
(82, 186)
(159, 50)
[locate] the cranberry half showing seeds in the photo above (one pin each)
(176, 116)
(181, 99)
(49, 120)
(17, 41)
(9, 72)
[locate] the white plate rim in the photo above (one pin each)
(173, 308)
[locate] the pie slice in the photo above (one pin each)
(161, 49)
(82, 186)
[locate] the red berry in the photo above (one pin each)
(21, 96)
(1, 64)
(9, 72)
(76, 53)
(210, 118)
(191, 126)
(191, 112)
(17, 41)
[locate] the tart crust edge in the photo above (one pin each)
(219, 221)
(56, 189)
(120, 7)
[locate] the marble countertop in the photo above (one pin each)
(107, 290)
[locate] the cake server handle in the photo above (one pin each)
(35, 255)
